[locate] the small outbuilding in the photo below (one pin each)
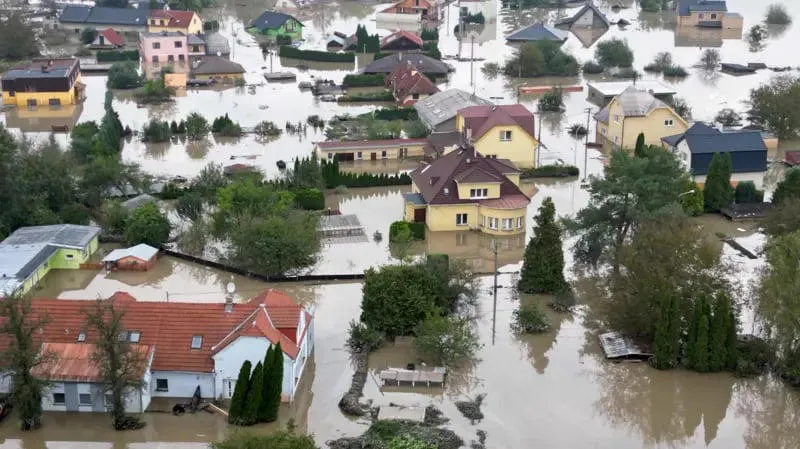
(136, 258)
(536, 33)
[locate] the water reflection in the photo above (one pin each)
(538, 346)
(43, 119)
(689, 36)
(772, 414)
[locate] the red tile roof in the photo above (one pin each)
(437, 181)
(387, 143)
(406, 80)
(792, 158)
(408, 7)
(113, 37)
(507, 202)
(481, 119)
(170, 326)
(400, 34)
(72, 362)
(176, 18)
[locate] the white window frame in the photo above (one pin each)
(478, 193)
(134, 336)
(199, 340)
(520, 222)
(383, 154)
(462, 219)
(493, 223)
(108, 399)
(505, 135)
(483, 221)
(359, 155)
(508, 224)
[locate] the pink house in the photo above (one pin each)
(164, 48)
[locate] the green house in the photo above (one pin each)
(28, 254)
(272, 24)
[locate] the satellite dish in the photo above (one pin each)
(230, 288)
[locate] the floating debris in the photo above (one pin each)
(472, 409)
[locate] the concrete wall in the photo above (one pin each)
(183, 384)
(521, 149)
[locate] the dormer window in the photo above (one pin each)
(197, 341)
(81, 337)
(478, 193)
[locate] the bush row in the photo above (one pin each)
(549, 171)
(334, 178)
(363, 80)
(314, 55)
(117, 55)
(392, 114)
(366, 97)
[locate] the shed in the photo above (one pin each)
(141, 257)
(618, 347)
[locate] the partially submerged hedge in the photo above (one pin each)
(550, 171)
(417, 230)
(314, 55)
(117, 55)
(363, 80)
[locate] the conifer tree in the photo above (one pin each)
(638, 150)
(731, 340)
(717, 349)
(690, 347)
(718, 192)
(701, 345)
(543, 266)
(275, 385)
(240, 394)
(253, 402)
(667, 333)
(263, 411)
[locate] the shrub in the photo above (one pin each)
(491, 69)
(117, 55)
(283, 39)
(746, 192)
(710, 59)
(754, 356)
(614, 53)
(334, 178)
(363, 80)
(124, 75)
(88, 35)
(416, 129)
(366, 97)
(391, 114)
(196, 126)
(156, 131)
(529, 319)
(550, 171)
(777, 15)
(430, 34)
(154, 92)
(551, 101)
(398, 228)
(431, 49)
(660, 62)
(790, 368)
(652, 5)
(446, 341)
(267, 128)
(170, 191)
(592, 68)
(417, 230)
(286, 51)
(676, 71)
(224, 126)
(563, 300)
(475, 18)
(362, 338)
(309, 199)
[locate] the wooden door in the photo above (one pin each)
(373, 156)
(419, 215)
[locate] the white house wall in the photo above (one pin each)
(229, 360)
(183, 384)
(133, 400)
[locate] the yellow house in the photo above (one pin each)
(372, 150)
(707, 14)
(186, 22)
(505, 132)
(463, 190)
(28, 254)
(218, 69)
(633, 112)
(44, 82)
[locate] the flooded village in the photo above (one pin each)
(312, 208)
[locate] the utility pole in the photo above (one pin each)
(494, 303)
(586, 144)
(471, 65)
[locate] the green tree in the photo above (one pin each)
(18, 40)
(544, 58)
(638, 150)
(718, 357)
(682, 108)
(718, 192)
(240, 394)
(149, 225)
(693, 203)
(266, 373)
(551, 101)
(543, 266)
(196, 126)
(614, 53)
(21, 356)
(210, 179)
(190, 206)
(88, 34)
(120, 363)
(746, 192)
(783, 218)
(529, 318)
(446, 341)
(254, 395)
(778, 292)
(788, 188)
(701, 349)
(274, 384)
(666, 335)
(280, 440)
(631, 190)
(776, 105)
(115, 217)
(777, 15)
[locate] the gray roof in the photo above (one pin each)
(424, 64)
(217, 44)
(63, 235)
(195, 39)
(443, 106)
(140, 251)
(414, 198)
(33, 71)
(638, 103)
(602, 115)
(703, 138)
(685, 7)
(99, 15)
(589, 6)
(271, 20)
(212, 65)
(615, 88)
(21, 260)
(616, 346)
(538, 32)
(163, 34)
(137, 201)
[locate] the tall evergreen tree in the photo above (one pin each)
(266, 374)
(731, 340)
(240, 394)
(717, 350)
(543, 267)
(638, 151)
(666, 335)
(690, 347)
(275, 385)
(718, 192)
(701, 345)
(253, 403)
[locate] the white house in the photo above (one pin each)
(190, 345)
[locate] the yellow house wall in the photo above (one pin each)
(500, 214)
(694, 19)
(521, 149)
(653, 127)
(414, 150)
(464, 188)
(195, 27)
(443, 217)
(513, 177)
(42, 98)
(37, 276)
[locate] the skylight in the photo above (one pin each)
(134, 336)
(81, 337)
(197, 341)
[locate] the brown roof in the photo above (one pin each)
(406, 80)
(792, 158)
(176, 18)
(72, 362)
(400, 34)
(437, 181)
(113, 37)
(481, 119)
(170, 326)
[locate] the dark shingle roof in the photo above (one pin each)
(212, 65)
(703, 138)
(538, 32)
(74, 14)
(589, 6)
(686, 7)
(104, 16)
(271, 20)
(424, 64)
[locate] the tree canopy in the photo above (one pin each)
(776, 105)
(543, 58)
(614, 53)
(147, 224)
(788, 188)
(718, 192)
(543, 265)
(778, 292)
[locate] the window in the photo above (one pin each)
(81, 337)
(170, 58)
(603, 130)
(11, 93)
(492, 223)
(195, 48)
(700, 16)
(31, 103)
(446, 191)
(616, 139)
(178, 44)
(415, 96)
(109, 399)
(383, 154)
(69, 256)
(54, 102)
(156, 45)
(478, 193)
(461, 219)
(181, 58)
(668, 122)
(152, 22)
(505, 136)
(162, 385)
(330, 155)
(134, 336)
(713, 16)
(616, 119)
(197, 341)
(59, 399)
(483, 220)
(359, 155)
(161, 22)
(520, 222)
(155, 59)
(507, 224)
(85, 399)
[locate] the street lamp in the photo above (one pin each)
(686, 193)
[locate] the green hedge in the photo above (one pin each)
(309, 199)
(314, 55)
(334, 178)
(117, 55)
(366, 97)
(392, 114)
(550, 171)
(363, 80)
(417, 230)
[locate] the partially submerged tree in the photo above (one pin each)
(543, 265)
(778, 15)
(197, 127)
(446, 341)
(240, 392)
(788, 188)
(120, 363)
(783, 218)
(710, 59)
(776, 105)
(22, 356)
(728, 117)
(614, 53)
(147, 224)
(778, 292)
(718, 192)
